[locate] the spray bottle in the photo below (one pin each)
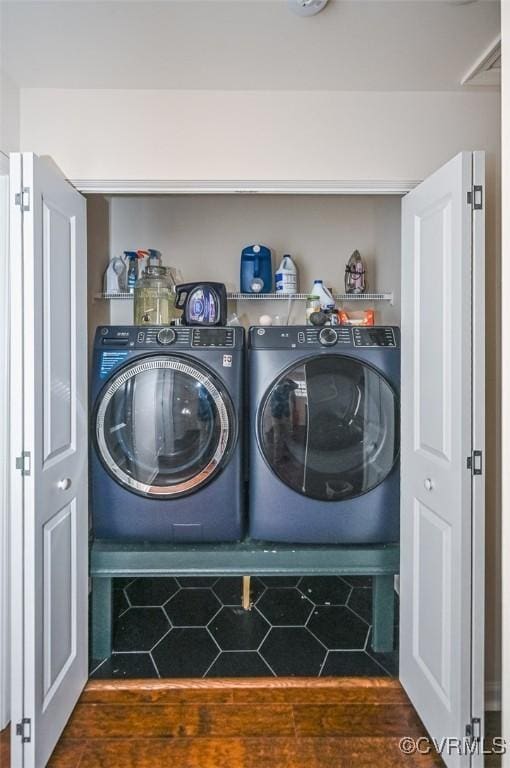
(132, 276)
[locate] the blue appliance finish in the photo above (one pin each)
(324, 436)
(166, 428)
(256, 269)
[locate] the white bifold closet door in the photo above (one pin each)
(49, 445)
(442, 501)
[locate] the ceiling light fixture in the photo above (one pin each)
(307, 7)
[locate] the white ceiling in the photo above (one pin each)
(245, 44)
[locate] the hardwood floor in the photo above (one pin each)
(4, 748)
(249, 723)
(293, 723)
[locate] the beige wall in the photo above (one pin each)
(9, 99)
(203, 237)
(9, 115)
(255, 135)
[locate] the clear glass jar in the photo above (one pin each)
(313, 304)
(155, 297)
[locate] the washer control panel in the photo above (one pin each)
(167, 337)
(212, 337)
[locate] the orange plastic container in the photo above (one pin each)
(357, 317)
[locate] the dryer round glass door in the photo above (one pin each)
(164, 426)
(329, 428)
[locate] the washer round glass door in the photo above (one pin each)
(329, 428)
(164, 426)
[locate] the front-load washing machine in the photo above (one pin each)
(324, 438)
(166, 453)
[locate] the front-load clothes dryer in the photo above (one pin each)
(324, 437)
(166, 453)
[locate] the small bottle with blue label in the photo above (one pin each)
(132, 275)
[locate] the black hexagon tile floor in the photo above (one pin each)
(151, 591)
(185, 652)
(229, 590)
(282, 606)
(192, 607)
(240, 664)
(338, 628)
(235, 629)
(293, 651)
(139, 629)
(196, 627)
(326, 590)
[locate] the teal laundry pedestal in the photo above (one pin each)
(110, 559)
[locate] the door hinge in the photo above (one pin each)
(474, 730)
(23, 199)
(24, 463)
(24, 729)
(475, 463)
(475, 197)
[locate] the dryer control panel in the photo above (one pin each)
(374, 336)
(331, 337)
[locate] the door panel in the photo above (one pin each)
(433, 544)
(60, 598)
(433, 324)
(436, 581)
(59, 266)
(52, 527)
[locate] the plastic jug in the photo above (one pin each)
(325, 296)
(256, 269)
(115, 277)
(286, 277)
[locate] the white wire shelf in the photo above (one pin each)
(113, 296)
(304, 296)
(235, 296)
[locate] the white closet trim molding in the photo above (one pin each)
(486, 70)
(277, 187)
(4, 448)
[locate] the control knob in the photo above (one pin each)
(166, 336)
(328, 336)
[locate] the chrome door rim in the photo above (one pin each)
(201, 477)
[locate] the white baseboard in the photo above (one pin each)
(493, 696)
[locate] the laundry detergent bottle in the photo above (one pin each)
(286, 277)
(325, 296)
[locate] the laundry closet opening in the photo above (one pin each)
(302, 439)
